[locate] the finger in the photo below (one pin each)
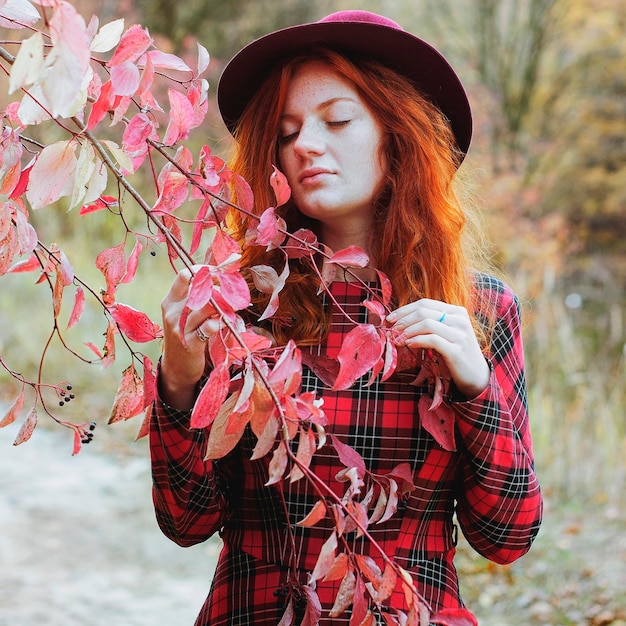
(207, 329)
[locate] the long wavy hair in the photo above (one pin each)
(419, 222)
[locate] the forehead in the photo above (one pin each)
(316, 82)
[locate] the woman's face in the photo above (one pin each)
(329, 149)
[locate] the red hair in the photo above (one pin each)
(420, 224)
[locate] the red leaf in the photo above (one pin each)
(369, 568)
(316, 514)
(439, 422)
(385, 287)
(27, 265)
(234, 289)
(361, 349)
(306, 449)
(281, 188)
(149, 382)
(391, 358)
(392, 501)
(27, 427)
(109, 346)
(352, 256)
(325, 558)
(220, 442)
(78, 308)
(211, 397)
(339, 567)
(136, 325)
(267, 438)
(405, 474)
(387, 584)
(348, 456)
(94, 349)
(345, 594)
(313, 607)
(360, 604)
(128, 400)
(278, 465)
(15, 409)
(103, 202)
(102, 105)
(297, 249)
(454, 617)
(245, 197)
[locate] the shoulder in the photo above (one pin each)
(493, 296)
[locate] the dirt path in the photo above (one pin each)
(79, 546)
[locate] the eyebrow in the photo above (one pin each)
(324, 105)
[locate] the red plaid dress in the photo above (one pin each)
(489, 483)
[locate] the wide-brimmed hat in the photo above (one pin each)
(355, 32)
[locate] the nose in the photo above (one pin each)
(310, 140)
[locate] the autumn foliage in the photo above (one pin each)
(92, 82)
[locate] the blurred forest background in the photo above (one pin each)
(547, 82)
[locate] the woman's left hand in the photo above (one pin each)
(447, 329)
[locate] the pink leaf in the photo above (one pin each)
(439, 422)
(167, 61)
(392, 501)
(27, 265)
(361, 349)
(339, 567)
(348, 456)
(297, 249)
(203, 59)
(14, 410)
(211, 397)
(201, 289)
(267, 228)
(245, 197)
(174, 191)
(128, 400)
(133, 262)
(345, 594)
(27, 428)
(125, 79)
(68, 61)
(136, 325)
(325, 558)
(78, 308)
(234, 289)
(53, 169)
(181, 118)
(135, 41)
(454, 617)
(134, 143)
(112, 263)
(281, 188)
(352, 256)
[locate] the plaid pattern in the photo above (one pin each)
(489, 482)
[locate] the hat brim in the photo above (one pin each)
(399, 50)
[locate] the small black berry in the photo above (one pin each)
(61, 403)
(72, 396)
(152, 253)
(68, 387)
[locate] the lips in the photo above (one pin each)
(313, 174)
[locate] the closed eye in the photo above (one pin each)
(338, 123)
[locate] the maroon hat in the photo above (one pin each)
(354, 32)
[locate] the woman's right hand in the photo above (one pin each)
(183, 362)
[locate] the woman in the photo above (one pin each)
(369, 125)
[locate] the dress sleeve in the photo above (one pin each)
(499, 505)
(189, 493)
